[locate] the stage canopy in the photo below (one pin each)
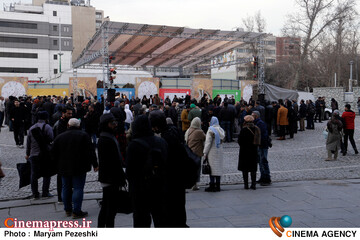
(142, 45)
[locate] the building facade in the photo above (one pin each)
(287, 48)
(33, 39)
(243, 71)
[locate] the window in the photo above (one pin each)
(18, 25)
(66, 29)
(55, 56)
(54, 13)
(18, 70)
(66, 43)
(270, 43)
(270, 60)
(55, 28)
(55, 71)
(18, 40)
(270, 51)
(55, 42)
(18, 55)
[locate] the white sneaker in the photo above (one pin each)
(21, 146)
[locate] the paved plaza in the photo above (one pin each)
(314, 192)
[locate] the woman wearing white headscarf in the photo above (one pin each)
(214, 152)
(129, 117)
(195, 139)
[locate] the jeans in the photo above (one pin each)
(359, 110)
(78, 183)
(35, 175)
(227, 128)
(19, 134)
(94, 139)
(264, 164)
(310, 122)
(349, 134)
(127, 126)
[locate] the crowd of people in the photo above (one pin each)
(70, 131)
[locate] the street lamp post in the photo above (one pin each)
(40, 79)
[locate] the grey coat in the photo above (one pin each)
(334, 136)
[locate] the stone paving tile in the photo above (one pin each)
(251, 220)
(330, 213)
(196, 204)
(295, 205)
(215, 212)
(34, 212)
(210, 223)
(329, 203)
(339, 223)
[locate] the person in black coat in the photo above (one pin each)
(17, 116)
(74, 154)
(302, 115)
(92, 119)
(174, 184)
(111, 174)
(147, 192)
(249, 140)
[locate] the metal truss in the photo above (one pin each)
(261, 65)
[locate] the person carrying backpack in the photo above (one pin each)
(146, 174)
(39, 134)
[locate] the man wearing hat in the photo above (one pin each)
(194, 112)
(74, 154)
(33, 149)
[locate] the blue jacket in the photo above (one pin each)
(264, 133)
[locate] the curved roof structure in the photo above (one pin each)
(160, 46)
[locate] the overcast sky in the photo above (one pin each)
(207, 14)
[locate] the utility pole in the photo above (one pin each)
(60, 53)
(350, 79)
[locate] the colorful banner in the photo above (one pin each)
(163, 92)
(201, 86)
(230, 93)
(146, 86)
(129, 92)
(13, 86)
(86, 86)
(48, 91)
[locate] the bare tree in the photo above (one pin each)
(312, 19)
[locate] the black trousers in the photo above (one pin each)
(19, 133)
(282, 130)
(246, 178)
(318, 115)
(349, 134)
(106, 218)
(147, 206)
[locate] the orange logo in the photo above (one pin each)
(280, 223)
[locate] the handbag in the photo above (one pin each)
(325, 133)
(124, 201)
(206, 169)
(24, 170)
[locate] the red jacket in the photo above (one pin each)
(349, 119)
